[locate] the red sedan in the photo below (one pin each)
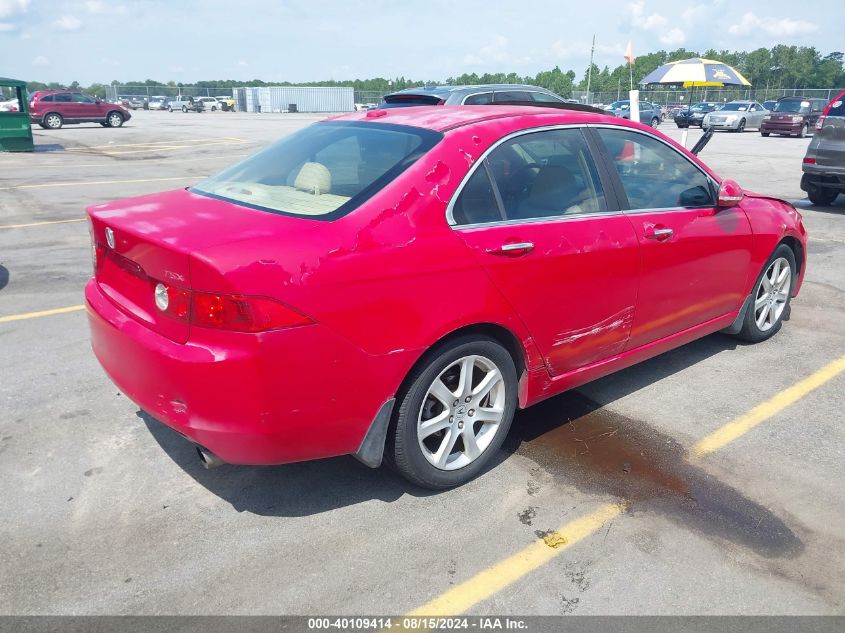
(396, 283)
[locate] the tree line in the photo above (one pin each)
(777, 67)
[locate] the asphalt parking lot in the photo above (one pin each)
(607, 500)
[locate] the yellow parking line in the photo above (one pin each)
(23, 226)
(42, 313)
(495, 578)
(506, 572)
(88, 183)
(762, 412)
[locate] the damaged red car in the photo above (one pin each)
(395, 284)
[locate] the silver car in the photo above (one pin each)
(485, 94)
(736, 116)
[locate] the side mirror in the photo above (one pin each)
(730, 194)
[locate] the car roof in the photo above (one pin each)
(441, 118)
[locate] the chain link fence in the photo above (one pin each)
(675, 97)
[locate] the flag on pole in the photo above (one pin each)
(629, 53)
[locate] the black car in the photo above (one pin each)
(694, 115)
(824, 162)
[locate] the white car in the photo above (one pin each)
(157, 102)
(11, 105)
(210, 103)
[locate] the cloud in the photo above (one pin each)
(68, 23)
(97, 7)
(654, 23)
(495, 52)
(41, 61)
(9, 8)
(750, 23)
(242, 64)
(5, 27)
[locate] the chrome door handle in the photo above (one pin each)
(660, 235)
(515, 248)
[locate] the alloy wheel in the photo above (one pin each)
(772, 294)
(461, 413)
(54, 121)
(115, 120)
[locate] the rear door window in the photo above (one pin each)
(511, 95)
(64, 97)
(534, 176)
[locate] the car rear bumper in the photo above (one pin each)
(272, 398)
(828, 178)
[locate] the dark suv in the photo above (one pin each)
(793, 115)
(53, 108)
(824, 163)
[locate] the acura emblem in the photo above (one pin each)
(109, 237)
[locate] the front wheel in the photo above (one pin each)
(741, 127)
(115, 119)
(802, 133)
(764, 133)
(214, 108)
(170, 108)
(184, 108)
(655, 122)
(770, 297)
(454, 413)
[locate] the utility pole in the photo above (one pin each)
(590, 69)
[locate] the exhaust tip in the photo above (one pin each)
(208, 459)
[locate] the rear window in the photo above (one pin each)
(323, 171)
(401, 101)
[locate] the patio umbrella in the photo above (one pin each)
(695, 72)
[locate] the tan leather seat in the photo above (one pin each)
(314, 178)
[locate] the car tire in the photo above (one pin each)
(681, 126)
(765, 134)
(822, 196)
(803, 132)
(770, 297)
(170, 108)
(655, 122)
(114, 119)
(441, 458)
(214, 108)
(184, 108)
(741, 127)
(104, 124)
(53, 121)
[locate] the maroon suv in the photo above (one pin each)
(53, 108)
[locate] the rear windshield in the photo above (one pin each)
(793, 106)
(323, 171)
(401, 101)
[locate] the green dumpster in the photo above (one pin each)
(15, 133)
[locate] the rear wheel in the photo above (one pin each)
(770, 297)
(114, 119)
(821, 195)
(764, 133)
(53, 121)
(454, 414)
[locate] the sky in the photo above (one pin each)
(301, 40)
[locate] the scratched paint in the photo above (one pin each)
(621, 319)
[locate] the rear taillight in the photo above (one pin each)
(237, 313)
(820, 122)
(243, 314)
(809, 161)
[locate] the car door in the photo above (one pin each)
(85, 108)
(536, 213)
(755, 115)
(695, 256)
(64, 105)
